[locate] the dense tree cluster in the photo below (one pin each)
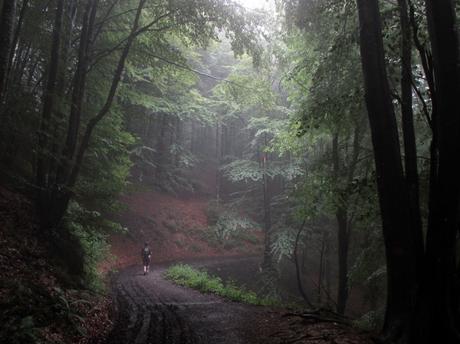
(72, 70)
(333, 124)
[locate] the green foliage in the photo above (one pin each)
(186, 275)
(227, 224)
(66, 309)
(107, 165)
(89, 228)
(243, 170)
(283, 244)
(249, 170)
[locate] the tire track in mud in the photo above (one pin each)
(152, 310)
(160, 321)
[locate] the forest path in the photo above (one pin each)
(154, 310)
(151, 309)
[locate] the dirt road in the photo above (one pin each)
(154, 310)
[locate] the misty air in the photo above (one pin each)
(229, 172)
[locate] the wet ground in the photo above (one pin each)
(153, 310)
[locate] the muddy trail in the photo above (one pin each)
(151, 309)
(154, 310)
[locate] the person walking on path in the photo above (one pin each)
(146, 254)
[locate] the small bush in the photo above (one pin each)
(187, 276)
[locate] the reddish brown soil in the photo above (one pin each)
(174, 227)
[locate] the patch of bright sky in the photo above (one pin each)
(257, 4)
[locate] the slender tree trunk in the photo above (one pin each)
(218, 163)
(192, 137)
(161, 150)
(410, 150)
(321, 266)
(342, 212)
(327, 268)
(268, 262)
(297, 266)
(342, 236)
(78, 91)
(44, 193)
(343, 246)
(394, 200)
(62, 85)
(7, 20)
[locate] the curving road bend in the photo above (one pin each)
(153, 310)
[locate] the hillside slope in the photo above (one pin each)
(175, 228)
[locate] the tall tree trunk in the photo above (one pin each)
(218, 163)
(297, 265)
(321, 266)
(62, 84)
(161, 150)
(78, 91)
(343, 246)
(344, 222)
(393, 194)
(44, 193)
(7, 20)
(342, 236)
(436, 311)
(410, 150)
(268, 261)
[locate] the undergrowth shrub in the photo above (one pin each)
(91, 230)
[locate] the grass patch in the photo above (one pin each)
(187, 276)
